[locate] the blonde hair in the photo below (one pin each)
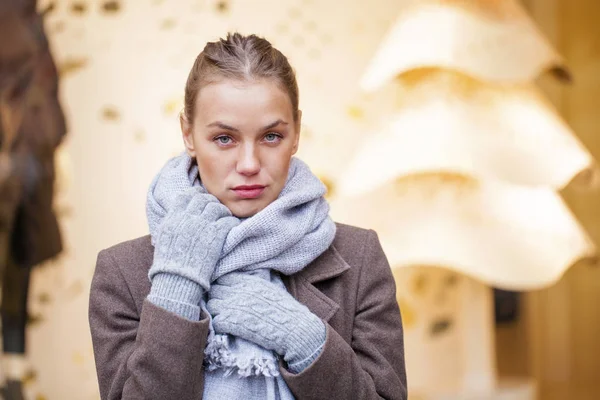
(239, 57)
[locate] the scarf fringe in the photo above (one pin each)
(219, 356)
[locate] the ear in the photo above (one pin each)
(187, 134)
(298, 129)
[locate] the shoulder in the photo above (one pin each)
(354, 243)
(362, 251)
(131, 251)
(125, 266)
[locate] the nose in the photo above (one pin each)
(248, 163)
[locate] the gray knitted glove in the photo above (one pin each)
(186, 251)
(261, 312)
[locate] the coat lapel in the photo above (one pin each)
(301, 285)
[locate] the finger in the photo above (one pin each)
(234, 322)
(232, 278)
(242, 280)
(215, 210)
(170, 223)
(216, 306)
(222, 228)
(183, 199)
(184, 238)
(224, 325)
(226, 224)
(221, 292)
(251, 282)
(198, 203)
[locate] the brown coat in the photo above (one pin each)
(32, 125)
(145, 352)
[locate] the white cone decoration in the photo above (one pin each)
(448, 121)
(506, 236)
(488, 39)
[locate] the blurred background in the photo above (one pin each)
(464, 131)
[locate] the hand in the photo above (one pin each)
(191, 237)
(261, 312)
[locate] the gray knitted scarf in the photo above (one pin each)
(283, 238)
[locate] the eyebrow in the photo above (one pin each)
(221, 125)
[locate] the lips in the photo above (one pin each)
(249, 191)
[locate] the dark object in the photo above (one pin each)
(14, 308)
(506, 306)
(111, 6)
(32, 125)
(222, 6)
(562, 73)
(12, 390)
(440, 326)
(78, 8)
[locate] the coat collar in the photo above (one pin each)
(328, 265)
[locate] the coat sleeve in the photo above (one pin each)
(372, 365)
(153, 354)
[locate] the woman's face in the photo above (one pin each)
(243, 137)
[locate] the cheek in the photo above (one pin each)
(211, 168)
(279, 167)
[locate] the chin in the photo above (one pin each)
(245, 210)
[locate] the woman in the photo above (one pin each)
(253, 291)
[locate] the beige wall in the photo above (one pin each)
(558, 339)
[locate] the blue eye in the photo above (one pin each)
(272, 137)
(223, 139)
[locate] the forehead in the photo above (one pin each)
(243, 102)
